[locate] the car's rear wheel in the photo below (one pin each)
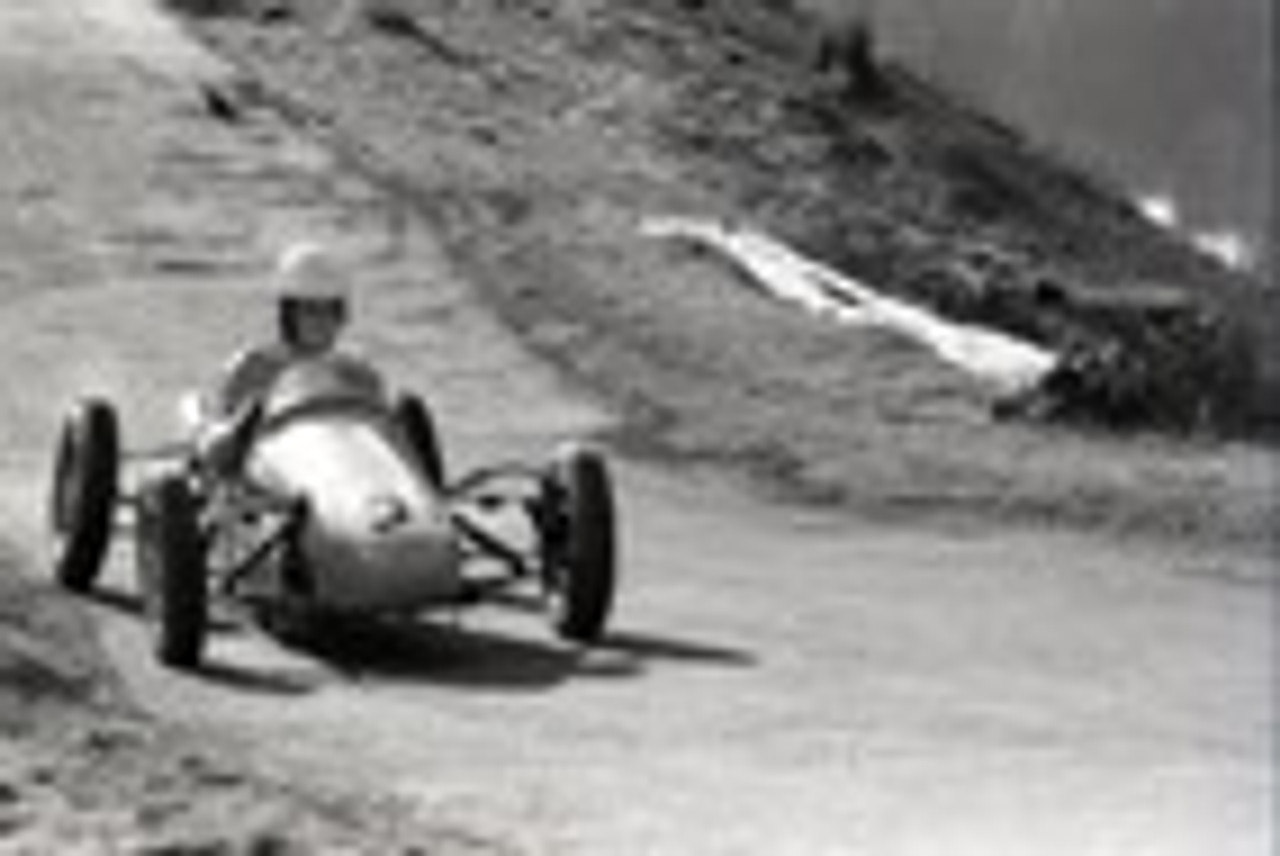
(171, 565)
(415, 419)
(577, 523)
(84, 490)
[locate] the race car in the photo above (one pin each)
(340, 507)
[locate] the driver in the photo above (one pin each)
(312, 307)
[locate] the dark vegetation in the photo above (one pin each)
(984, 228)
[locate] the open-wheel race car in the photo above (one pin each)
(340, 507)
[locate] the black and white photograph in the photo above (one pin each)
(650, 428)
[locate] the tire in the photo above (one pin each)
(419, 427)
(83, 497)
(579, 544)
(171, 569)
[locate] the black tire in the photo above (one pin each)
(579, 544)
(83, 497)
(419, 427)
(171, 570)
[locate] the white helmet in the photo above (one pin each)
(305, 271)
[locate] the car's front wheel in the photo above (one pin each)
(577, 520)
(85, 485)
(171, 565)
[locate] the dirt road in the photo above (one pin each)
(779, 682)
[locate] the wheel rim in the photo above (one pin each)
(552, 524)
(68, 483)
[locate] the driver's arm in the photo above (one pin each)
(245, 381)
(232, 409)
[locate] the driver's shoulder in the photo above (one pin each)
(245, 375)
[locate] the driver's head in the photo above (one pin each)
(312, 297)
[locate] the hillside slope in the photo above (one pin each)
(538, 136)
